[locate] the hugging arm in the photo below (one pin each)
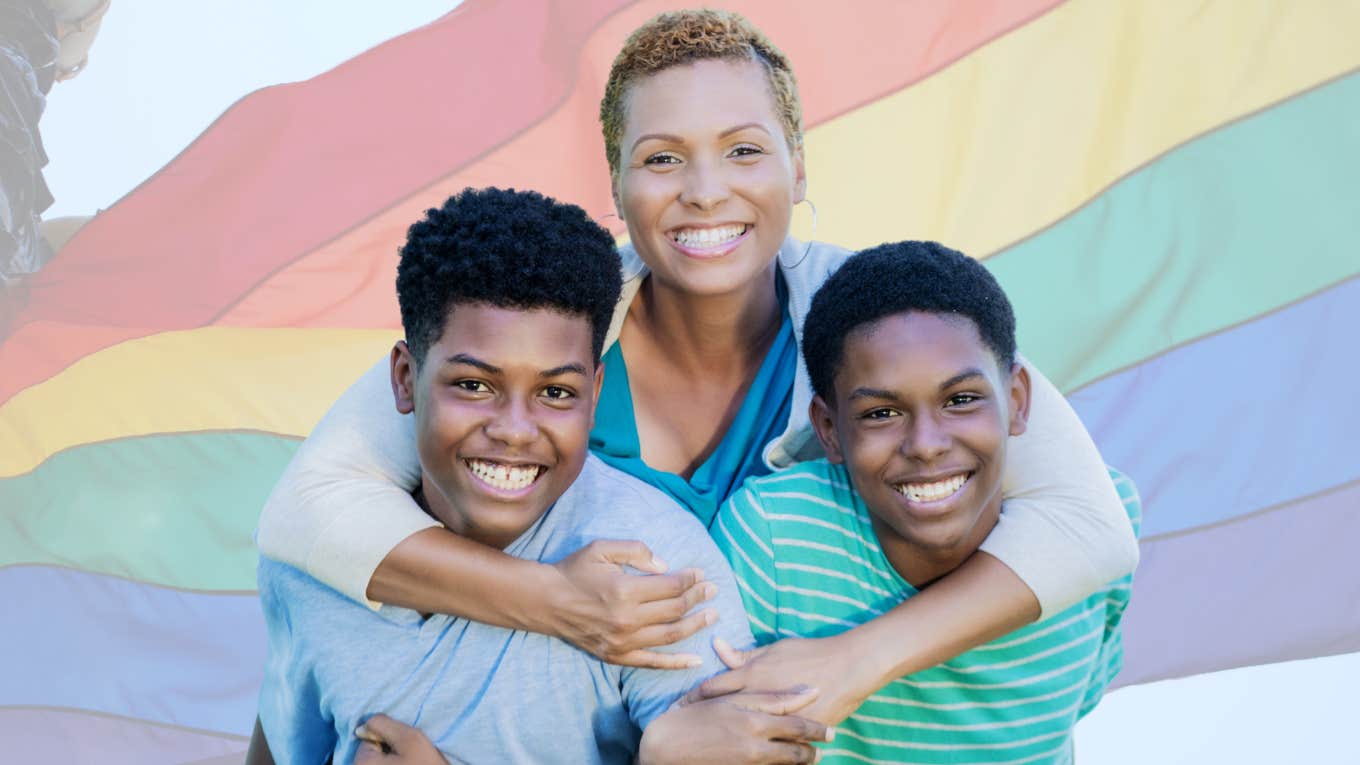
(343, 513)
(1063, 534)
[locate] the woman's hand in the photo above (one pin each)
(823, 663)
(388, 742)
(750, 728)
(617, 616)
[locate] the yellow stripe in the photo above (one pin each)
(216, 378)
(1033, 125)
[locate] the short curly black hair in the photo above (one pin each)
(510, 249)
(900, 277)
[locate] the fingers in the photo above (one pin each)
(669, 587)
(733, 681)
(796, 729)
(627, 553)
(730, 656)
(776, 703)
(782, 752)
(385, 732)
(656, 660)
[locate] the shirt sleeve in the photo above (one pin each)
(345, 500)
(1063, 529)
(649, 692)
(742, 533)
(295, 727)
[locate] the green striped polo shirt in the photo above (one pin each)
(809, 565)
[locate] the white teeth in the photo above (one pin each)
(708, 237)
(931, 492)
(504, 477)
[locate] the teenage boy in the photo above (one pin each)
(911, 352)
(505, 300)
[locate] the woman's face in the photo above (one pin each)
(707, 181)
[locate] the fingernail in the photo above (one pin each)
(658, 563)
(710, 590)
(694, 662)
(719, 644)
(830, 735)
(710, 617)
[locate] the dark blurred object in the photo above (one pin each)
(28, 67)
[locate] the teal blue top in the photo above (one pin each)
(762, 418)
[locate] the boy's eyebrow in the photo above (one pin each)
(564, 369)
(966, 374)
(473, 361)
(859, 393)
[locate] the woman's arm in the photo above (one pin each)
(1063, 529)
(1063, 534)
(343, 513)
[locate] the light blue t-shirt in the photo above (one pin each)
(483, 693)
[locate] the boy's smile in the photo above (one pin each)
(504, 403)
(921, 418)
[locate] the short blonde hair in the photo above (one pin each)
(681, 37)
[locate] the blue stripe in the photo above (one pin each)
(1236, 422)
(87, 641)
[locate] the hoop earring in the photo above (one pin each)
(813, 237)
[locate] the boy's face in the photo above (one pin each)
(504, 403)
(920, 419)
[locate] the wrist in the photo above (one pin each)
(880, 657)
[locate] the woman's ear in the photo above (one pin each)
(1019, 399)
(824, 423)
(403, 378)
(799, 175)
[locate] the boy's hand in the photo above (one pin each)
(388, 742)
(617, 616)
(816, 662)
(746, 728)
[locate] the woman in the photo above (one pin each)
(704, 388)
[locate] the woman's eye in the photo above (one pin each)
(472, 386)
(746, 150)
(661, 159)
(558, 392)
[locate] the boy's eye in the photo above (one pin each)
(962, 399)
(558, 392)
(882, 413)
(472, 386)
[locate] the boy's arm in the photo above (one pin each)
(1063, 534)
(343, 513)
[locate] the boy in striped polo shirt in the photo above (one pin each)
(911, 351)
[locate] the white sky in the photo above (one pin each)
(162, 70)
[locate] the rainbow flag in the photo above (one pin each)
(1169, 191)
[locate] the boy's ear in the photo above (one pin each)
(824, 423)
(1019, 396)
(598, 385)
(403, 378)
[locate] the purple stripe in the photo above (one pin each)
(64, 735)
(1278, 586)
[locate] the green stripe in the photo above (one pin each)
(1246, 219)
(174, 510)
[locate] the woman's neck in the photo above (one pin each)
(709, 332)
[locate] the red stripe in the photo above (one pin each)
(339, 165)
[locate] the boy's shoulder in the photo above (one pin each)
(807, 489)
(607, 503)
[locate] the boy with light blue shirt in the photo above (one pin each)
(505, 300)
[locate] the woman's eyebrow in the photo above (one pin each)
(744, 126)
(657, 137)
